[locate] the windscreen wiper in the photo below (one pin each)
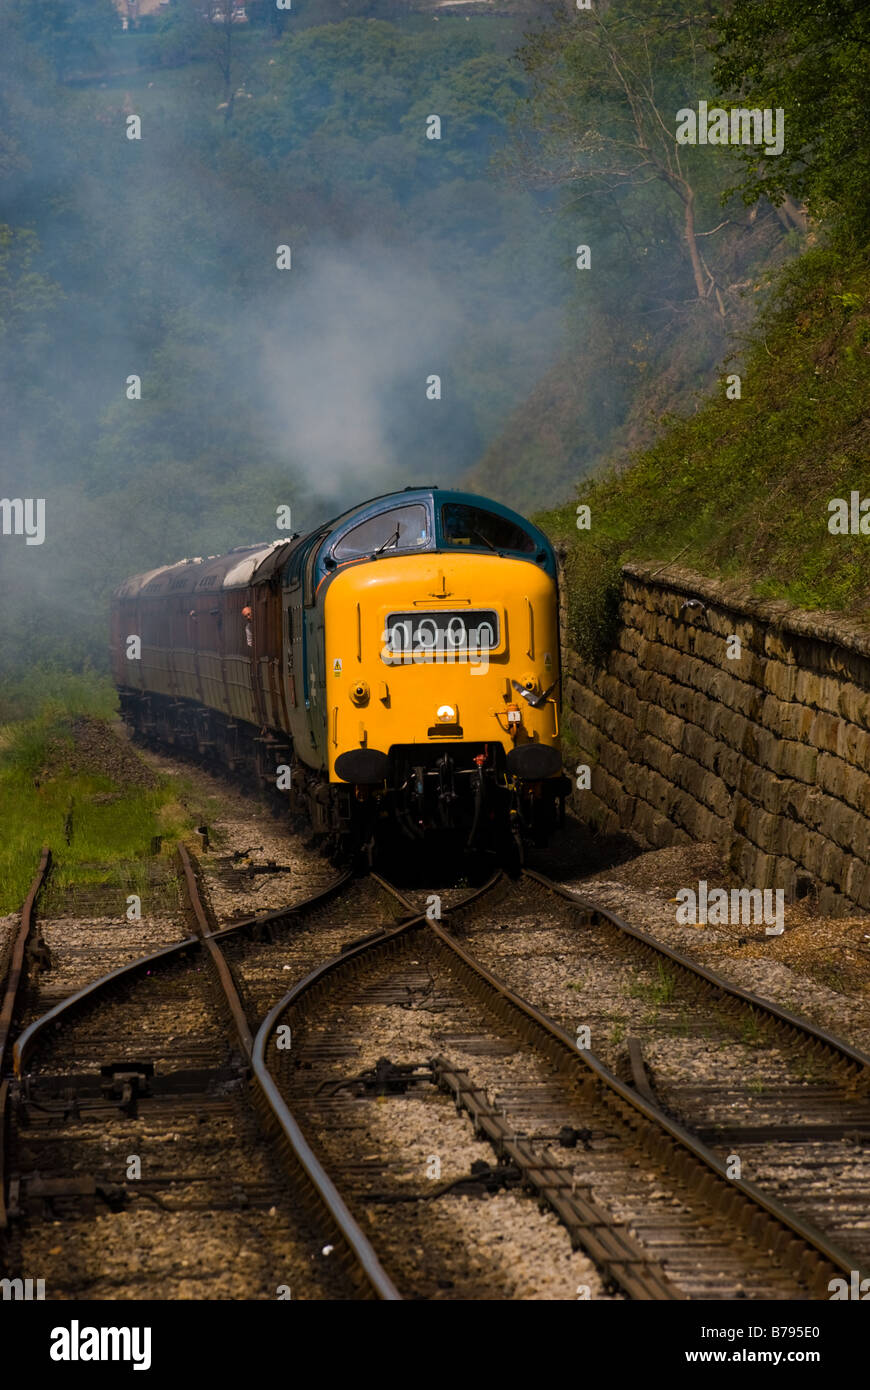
(482, 537)
(388, 541)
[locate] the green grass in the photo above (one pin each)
(658, 991)
(42, 689)
(681, 1028)
(740, 489)
(617, 1032)
(43, 798)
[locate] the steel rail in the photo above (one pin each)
(16, 965)
(609, 1243)
(273, 1111)
(709, 1171)
(279, 915)
(637, 1277)
(326, 1190)
(27, 1039)
(219, 961)
(857, 1061)
(319, 1180)
(7, 1013)
(349, 1231)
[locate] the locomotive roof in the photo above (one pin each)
(423, 494)
(433, 498)
(255, 564)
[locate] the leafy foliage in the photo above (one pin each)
(741, 488)
(674, 278)
(71, 34)
(813, 61)
(593, 577)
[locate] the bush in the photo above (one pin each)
(593, 580)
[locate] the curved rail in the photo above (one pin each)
(317, 1176)
(857, 1061)
(805, 1231)
(328, 1194)
(228, 984)
(7, 1013)
(16, 967)
(269, 1102)
(798, 1241)
(27, 1040)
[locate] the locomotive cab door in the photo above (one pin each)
(293, 669)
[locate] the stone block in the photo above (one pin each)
(798, 760)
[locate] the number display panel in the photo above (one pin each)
(452, 632)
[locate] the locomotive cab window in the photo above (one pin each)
(472, 526)
(310, 574)
(403, 528)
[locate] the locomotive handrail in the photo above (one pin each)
(555, 705)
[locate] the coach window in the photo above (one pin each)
(403, 528)
(472, 526)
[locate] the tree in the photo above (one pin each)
(813, 61)
(73, 34)
(217, 26)
(607, 85)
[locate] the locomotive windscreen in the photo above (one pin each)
(464, 525)
(402, 528)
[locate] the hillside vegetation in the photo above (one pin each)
(68, 781)
(761, 478)
(666, 259)
(741, 488)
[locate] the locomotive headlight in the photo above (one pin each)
(529, 681)
(360, 693)
(446, 714)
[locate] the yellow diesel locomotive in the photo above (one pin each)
(394, 672)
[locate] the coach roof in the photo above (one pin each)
(247, 564)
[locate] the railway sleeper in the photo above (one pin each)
(606, 1241)
(34, 1198)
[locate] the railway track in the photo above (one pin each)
(749, 1079)
(129, 1120)
(358, 1074)
(649, 1202)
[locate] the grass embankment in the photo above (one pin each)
(67, 780)
(740, 490)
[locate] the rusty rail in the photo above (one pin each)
(358, 1256)
(856, 1062)
(800, 1245)
(7, 1013)
(16, 966)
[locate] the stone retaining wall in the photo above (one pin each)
(767, 754)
